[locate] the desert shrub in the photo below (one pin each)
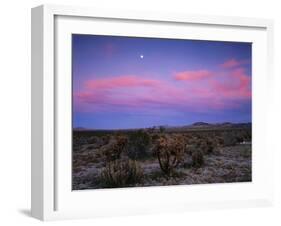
(190, 148)
(121, 173)
(211, 145)
(155, 137)
(151, 130)
(98, 141)
(203, 146)
(239, 136)
(87, 158)
(249, 132)
(114, 148)
(248, 135)
(156, 175)
(170, 152)
(162, 129)
(219, 140)
(197, 158)
(229, 139)
(139, 143)
(246, 152)
(192, 140)
(197, 155)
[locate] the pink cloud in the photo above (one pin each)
(89, 97)
(120, 82)
(149, 92)
(236, 86)
(206, 90)
(193, 75)
(230, 63)
(233, 63)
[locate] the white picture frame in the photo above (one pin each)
(52, 197)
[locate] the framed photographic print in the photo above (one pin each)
(141, 112)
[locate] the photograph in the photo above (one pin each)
(150, 111)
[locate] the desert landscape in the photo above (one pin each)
(152, 111)
(200, 153)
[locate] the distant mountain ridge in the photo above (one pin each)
(223, 124)
(200, 124)
(195, 125)
(80, 128)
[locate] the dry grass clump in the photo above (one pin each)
(121, 173)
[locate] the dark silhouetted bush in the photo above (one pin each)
(211, 145)
(229, 139)
(162, 129)
(197, 158)
(139, 143)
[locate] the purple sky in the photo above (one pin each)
(126, 82)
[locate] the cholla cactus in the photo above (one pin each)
(121, 173)
(115, 147)
(170, 152)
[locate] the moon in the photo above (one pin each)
(141, 56)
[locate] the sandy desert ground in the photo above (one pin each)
(161, 156)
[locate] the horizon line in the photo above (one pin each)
(157, 126)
